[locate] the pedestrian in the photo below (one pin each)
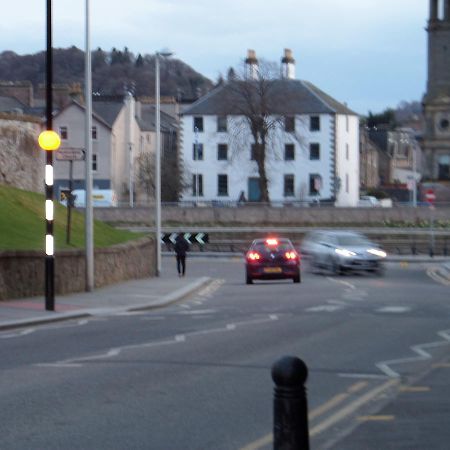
(181, 247)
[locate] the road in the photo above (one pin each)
(196, 375)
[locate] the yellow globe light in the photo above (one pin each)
(49, 140)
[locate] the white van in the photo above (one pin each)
(101, 198)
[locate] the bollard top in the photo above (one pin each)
(289, 371)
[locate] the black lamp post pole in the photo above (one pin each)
(49, 258)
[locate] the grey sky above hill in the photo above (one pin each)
(370, 54)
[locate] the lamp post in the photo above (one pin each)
(49, 141)
(164, 54)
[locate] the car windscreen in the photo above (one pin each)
(281, 247)
(351, 240)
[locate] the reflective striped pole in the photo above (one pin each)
(49, 141)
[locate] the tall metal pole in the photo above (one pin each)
(158, 170)
(49, 245)
(89, 221)
(415, 176)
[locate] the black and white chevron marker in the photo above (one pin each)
(191, 238)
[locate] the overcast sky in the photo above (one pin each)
(370, 54)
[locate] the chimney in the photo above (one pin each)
(251, 65)
(288, 65)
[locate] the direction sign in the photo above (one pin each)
(430, 196)
(70, 154)
(191, 238)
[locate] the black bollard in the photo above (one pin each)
(290, 406)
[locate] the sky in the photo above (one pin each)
(370, 54)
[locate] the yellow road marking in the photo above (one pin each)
(375, 418)
(414, 388)
(334, 401)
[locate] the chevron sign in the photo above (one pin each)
(191, 238)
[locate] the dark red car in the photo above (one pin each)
(272, 258)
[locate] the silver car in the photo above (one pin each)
(341, 251)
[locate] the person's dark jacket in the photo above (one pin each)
(181, 246)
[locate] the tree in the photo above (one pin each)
(256, 103)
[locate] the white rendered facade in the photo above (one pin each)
(327, 154)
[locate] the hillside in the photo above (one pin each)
(22, 224)
(111, 71)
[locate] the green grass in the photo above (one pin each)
(22, 224)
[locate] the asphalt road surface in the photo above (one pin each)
(196, 375)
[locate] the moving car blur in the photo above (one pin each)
(272, 258)
(341, 251)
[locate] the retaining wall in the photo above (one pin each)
(22, 273)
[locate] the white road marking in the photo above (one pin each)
(394, 309)
(436, 276)
(18, 333)
(419, 349)
(345, 283)
(324, 308)
(179, 338)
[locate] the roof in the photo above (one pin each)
(108, 110)
(10, 104)
(147, 119)
(95, 114)
(286, 96)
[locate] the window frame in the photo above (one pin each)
(64, 133)
(289, 181)
(224, 148)
(291, 147)
(197, 124)
(289, 124)
(197, 151)
(314, 151)
(222, 124)
(196, 176)
(220, 192)
(314, 123)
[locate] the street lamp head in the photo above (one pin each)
(49, 140)
(165, 52)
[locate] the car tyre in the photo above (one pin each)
(334, 266)
(249, 280)
(297, 279)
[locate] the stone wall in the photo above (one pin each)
(266, 215)
(22, 274)
(21, 160)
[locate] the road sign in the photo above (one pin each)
(430, 196)
(196, 238)
(70, 154)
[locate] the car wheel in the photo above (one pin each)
(298, 278)
(249, 280)
(334, 267)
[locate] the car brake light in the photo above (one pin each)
(271, 241)
(290, 255)
(253, 256)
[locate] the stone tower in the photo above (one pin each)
(436, 102)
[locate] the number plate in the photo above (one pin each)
(272, 270)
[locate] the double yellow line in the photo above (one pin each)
(341, 414)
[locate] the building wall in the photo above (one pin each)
(73, 118)
(239, 167)
(21, 160)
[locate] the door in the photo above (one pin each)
(254, 193)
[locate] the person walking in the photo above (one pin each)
(181, 247)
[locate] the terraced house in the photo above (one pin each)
(311, 141)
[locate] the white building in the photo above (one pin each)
(313, 150)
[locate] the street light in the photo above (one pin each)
(49, 141)
(165, 54)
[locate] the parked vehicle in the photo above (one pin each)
(368, 201)
(101, 198)
(341, 251)
(272, 258)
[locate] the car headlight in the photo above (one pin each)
(344, 252)
(377, 252)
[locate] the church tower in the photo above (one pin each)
(436, 102)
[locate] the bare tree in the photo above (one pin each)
(255, 104)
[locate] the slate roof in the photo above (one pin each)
(147, 121)
(11, 104)
(286, 96)
(108, 110)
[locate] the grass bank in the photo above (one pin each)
(22, 224)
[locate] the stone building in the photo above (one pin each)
(436, 143)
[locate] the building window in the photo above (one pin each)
(314, 151)
(314, 123)
(289, 124)
(198, 124)
(315, 184)
(222, 152)
(197, 152)
(253, 152)
(63, 133)
(94, 133)
(289, 185)
(94, 162)
(347, 152)
(222, 123)
(197, 185)
(289, 152)
(222, 185)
